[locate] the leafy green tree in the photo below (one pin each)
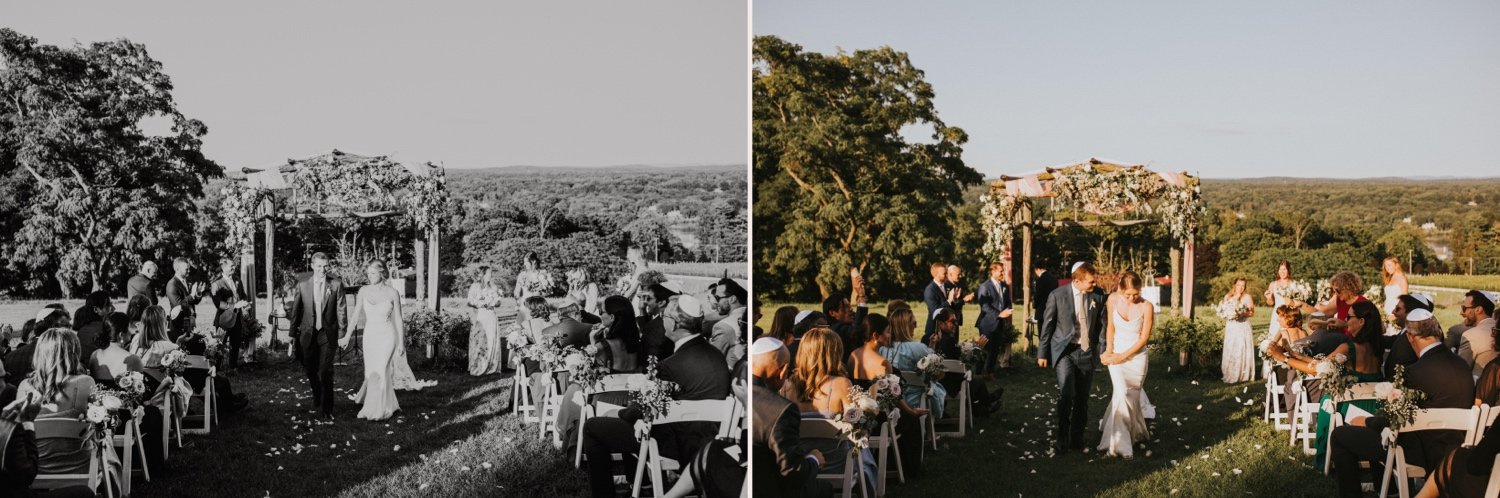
(838, 184)
(106, 193)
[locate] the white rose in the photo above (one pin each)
(1324, 368)
(97, 414)
(869, 405)
(111, 402)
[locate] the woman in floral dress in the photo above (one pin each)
(531, 282)
(486, 349)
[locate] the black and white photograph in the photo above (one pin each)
(356, 249)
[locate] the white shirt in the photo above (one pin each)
(1429, 347)
(678, 344)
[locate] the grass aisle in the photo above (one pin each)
(455, 439)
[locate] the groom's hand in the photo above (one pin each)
(1041, 363)
(344, 341)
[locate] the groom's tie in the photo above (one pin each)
(1083, 321)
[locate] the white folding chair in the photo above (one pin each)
(955, 367)
(129, 442)
(1302, 418)
(1434, 419)
(210, 415)
(1487, 415)
(50, 428)
(1357, 392)
(591, 408)
(815, 428)
(1492, 490)
(926, 422)
(521, 400)
(551, 403)
(884, 443)
(651, 464)
(1273, 411)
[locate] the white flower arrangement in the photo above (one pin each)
(1374, 293)
(931, 367)
(999, 214)
(860, 416)
(1324, 290)
(1295, 291)
(1333, 374)
(1231, 310)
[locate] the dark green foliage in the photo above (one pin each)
(448, 331)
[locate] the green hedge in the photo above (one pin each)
(448, 331)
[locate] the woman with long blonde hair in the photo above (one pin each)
(1394, 278)
(1239, 341)
(151, 343)
(820, 388)
(904, 353)
(58, 377)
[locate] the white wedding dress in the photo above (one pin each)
(1239, 352)
(1124, 421)
(386, 369)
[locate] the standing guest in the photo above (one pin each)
(653, 328)
(621, 334)
(1239, 341)
(228, 296)
(1273, 298)
(182, 299)
(1398, 349)
(99, 307)
(936, 296)
(782, 465)
(1041, 287)
(1476, 347)
(140, 284)
(1394, 278)
(1445, 379)
(728, 300)
(955, 290)
(995, 330)
(1347, 290)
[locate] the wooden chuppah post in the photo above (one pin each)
(420, 256)
(271, 308)
(1176, 258)
(1187, 278)
(1026, 269)
(432, 269)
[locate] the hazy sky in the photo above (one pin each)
(472, 84)
(1228, 89)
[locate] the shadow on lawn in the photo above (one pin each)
(275, 448)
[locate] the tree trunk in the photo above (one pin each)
(63, 285)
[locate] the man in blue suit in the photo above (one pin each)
(1070, 343)
(994, 316)
(936, 297)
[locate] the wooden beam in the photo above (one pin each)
(1176, 257)
(1093, 223)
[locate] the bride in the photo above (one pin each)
(384, 339)
(1130, 320)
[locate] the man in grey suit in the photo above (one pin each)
(1070, 343)
(319, 316)
(140, 283)
(570, 329)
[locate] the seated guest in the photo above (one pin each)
(653, 329)
(1398, 349)
(728, 299)
(783, 466)
(569, 329)
(1445, 379)
(781, 324)
(111, 359)
(151, 343)
(820, 389)
(843, 319)
(806, 320)
(93, 324)
(904, 353)
(699, 371)
(866, 365)
(945, 341)
(19, 460)
(225, 399)
(1466, 471)
(135, 309)
(621, 335)
(18, 362)
(58, 377)
(1476, 346)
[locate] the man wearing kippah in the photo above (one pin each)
(1478, 344)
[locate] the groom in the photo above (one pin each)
(1070, 342)
(318, 316)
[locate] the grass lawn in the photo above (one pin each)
(1482, 282)
(454, 439)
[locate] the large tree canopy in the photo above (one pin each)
(105, 192)
(837, 183)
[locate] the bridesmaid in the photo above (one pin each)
(486, 349)
(1239, 342)
(1394, 278)
(1273, 299)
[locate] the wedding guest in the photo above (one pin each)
(820, 388)
(756, 313)
(904, 353)
(1476, 347)
(111, 359)
(843, 319)
(182, 299)
(225, 399)
(18, 462)
(1273, 297)
(1042, 286)
(653, 329)
(699, 371)
(1347, 290)
(229, 299)
(621, 335)
(1289, 316)
(140, 284)
(866, 365)
(1394, 279)
(1466, 471)
(945, 342)
(1487, 391)
(781, 324)
(936, 296)
(1445, 379)
(995, 330)
(88, 331)
(59, 377)
(1238, 363)
(896, 304)
(728, 299)
(1398, 349)
(782, 465)
(583, 291)
(955, 292)
(151, 342)
(18, 364)
(1363, 353)
(569, 331)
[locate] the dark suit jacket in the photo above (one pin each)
(993, 298)
(568, 332)
(178, 295)
(1398, 352)
(1449, 383)
(780, 463)
(20, 457)
(224, 294)
(140, 285)
(700, 372)
(304, 310)
(935, 298)
(1042, 286)
(87, 335)
(847, 331)
(654, 338)
(1060, 324)
(956, 306)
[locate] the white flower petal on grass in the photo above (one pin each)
(464, 468)
(397, 448)
(1215, 474)
(1200, 407)
(1238, 471)
(486, 465)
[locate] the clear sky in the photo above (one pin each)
(1337, 89)
(471, 84)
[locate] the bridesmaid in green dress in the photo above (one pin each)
(1364, 360)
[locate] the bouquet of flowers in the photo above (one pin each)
(859, 418)
(174, 361)
(1231, 310)
(101, 418)
(1324, 290)
(886, 391)
(1296, 291)
(1400, 406)
(1333, 374)
(931, 367)
(654, 397)
(487, 298)
(1264, 350)
(583, 365)
(1373, 293)
(972, 355)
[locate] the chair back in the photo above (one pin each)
(819, 428)
(954, 366)
(619, 382)
(699, 410)
(1444, 419)
(1364, 391)
(1487, 415)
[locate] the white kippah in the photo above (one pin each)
(936, 311)
(672, 285)
(1418, 315)
(765, 345)
(690, 306)
(1075, 266)
(801, 315)
(44, 313)
(1424, 298)
(1494, 296)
